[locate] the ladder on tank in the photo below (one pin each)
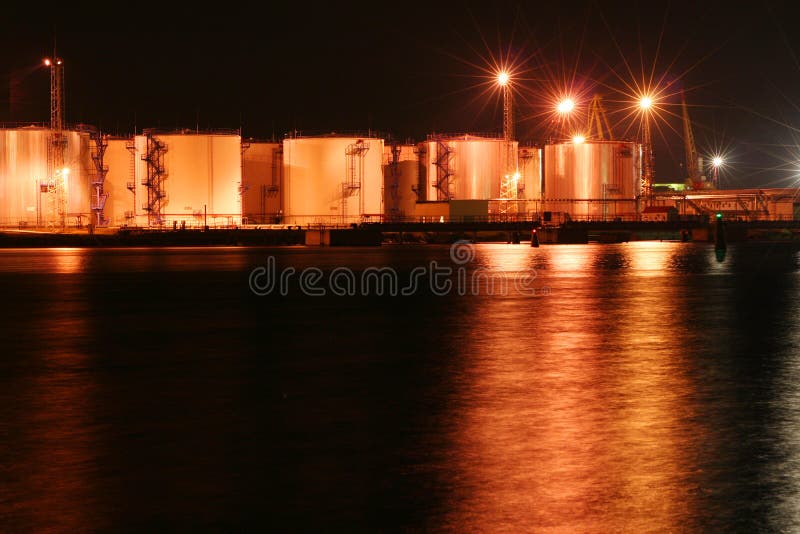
(354, 169)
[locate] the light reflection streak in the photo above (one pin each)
(68, 260)
(55, 464)
(569, 260)
(503, 257)
(585, 422)
(786, 504)
(650, 258)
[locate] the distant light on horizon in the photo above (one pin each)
(578, 139)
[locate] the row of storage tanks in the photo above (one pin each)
(219, 179)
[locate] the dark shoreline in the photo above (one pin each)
(147, 238)
(409, 233)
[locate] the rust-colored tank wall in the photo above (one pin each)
(399, 182)
(315, 169)
(119, 161)
(23, 165)
(262, 177)
(591, 180)
(477, 164)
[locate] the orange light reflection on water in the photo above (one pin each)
(581, 421)
(57, 452)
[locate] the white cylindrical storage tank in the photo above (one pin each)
(262, 182)
(332, 180)
(201, 181)
(120, 161)
(473, 166)
(24, 172)
(400, 179)
(592, 180)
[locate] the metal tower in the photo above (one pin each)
(648, 166)
(598, 120)
(508, 114)
(510, 179)
(57, 173)
(154, 180)
(354, 168)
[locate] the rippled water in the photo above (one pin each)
(644, 386)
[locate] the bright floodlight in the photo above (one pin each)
(717, 161)
(503, 78)
(645, 102)
(65, 171)
(566, 105)
(47, 62)
(578, 139)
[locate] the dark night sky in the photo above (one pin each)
(412, 68)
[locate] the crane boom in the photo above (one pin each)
(598, 120)
(688, 139)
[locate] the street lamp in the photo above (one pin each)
(504, 81)
(648, 170)
(503, 78)
(716, 163)
(508, 182)
(565, 106)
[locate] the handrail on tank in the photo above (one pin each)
(367, 134)
(191, 131)
(20, 125)
(465, 136)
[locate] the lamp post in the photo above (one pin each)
(504, 81)
(716, 163)
(564, 109)
(645, 105)
(509, 179)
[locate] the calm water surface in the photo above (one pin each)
(643, 387)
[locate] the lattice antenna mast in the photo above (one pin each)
(648, 165)
(508, 110)
(56, 171)
(510, 178)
